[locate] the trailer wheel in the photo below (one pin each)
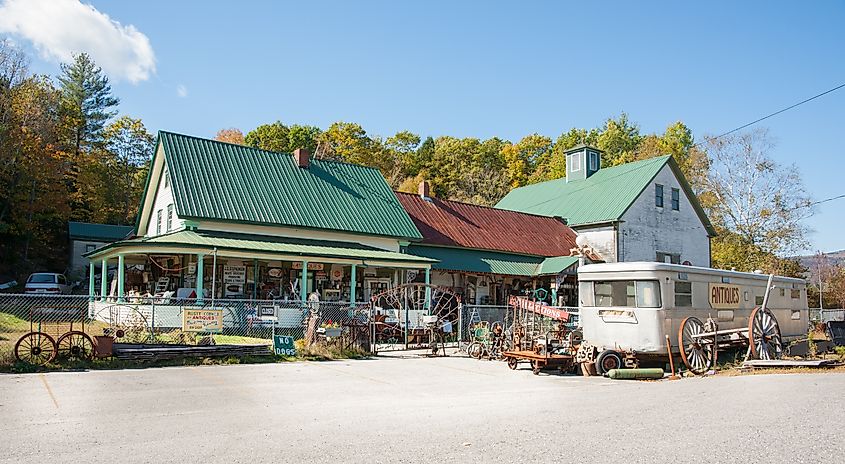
(607, 360)
(512, 362)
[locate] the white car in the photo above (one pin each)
(47, 283)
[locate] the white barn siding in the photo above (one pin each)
(646, 229)
(163, 198)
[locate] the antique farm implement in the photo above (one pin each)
(541, 337)
(55, 331)
(700, 342)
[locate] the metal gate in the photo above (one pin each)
(414, 316)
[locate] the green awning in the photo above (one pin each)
(492, 262)
(189, 240)
(557, 264)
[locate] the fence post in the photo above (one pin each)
(153, 319)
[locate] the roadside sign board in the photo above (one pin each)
(283, 345)
(202, 320)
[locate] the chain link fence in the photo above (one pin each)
(170, 320)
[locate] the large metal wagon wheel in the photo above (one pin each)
(764, 335)
(35, 348)
(75, 345)
(696, 354)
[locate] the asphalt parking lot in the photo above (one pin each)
(414, 410)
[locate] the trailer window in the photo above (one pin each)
(627, 293)
(683, 294)
(585, 294)
(648, 294)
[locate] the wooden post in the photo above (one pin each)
(428, 289)
(200, 277)
(120, 278)
(353, 280)
(303, 287)
(90, 280)
(104, 279)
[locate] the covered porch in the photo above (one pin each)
(200, 265)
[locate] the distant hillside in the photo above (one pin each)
(811, 262)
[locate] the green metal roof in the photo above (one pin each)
(255, 243)
(98, 232)
(491, 262)
(556, 264)
(603, 197)
(221, 181)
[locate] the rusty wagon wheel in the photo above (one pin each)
(35, 348)
(512, 363)
(764, 335)
(695, 352)
(75, 345)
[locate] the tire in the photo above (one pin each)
(607, 360)
(512, 362)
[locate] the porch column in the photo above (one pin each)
(303, 287)
(200, 277)
(428, 289)
(104, 280)
(90, 280)
(120, 278)
(352, 281)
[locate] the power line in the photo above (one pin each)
(773, 114)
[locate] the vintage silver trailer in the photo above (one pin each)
(632, 311)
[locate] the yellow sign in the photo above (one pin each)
(724, 296)
(202, 320)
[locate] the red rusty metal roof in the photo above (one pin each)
(453, 223)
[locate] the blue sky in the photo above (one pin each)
(486, 69)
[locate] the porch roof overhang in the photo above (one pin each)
(259, 247)
(492, 262)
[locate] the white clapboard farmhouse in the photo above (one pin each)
(639, 211)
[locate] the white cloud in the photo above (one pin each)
(181, 91)
(60, 28)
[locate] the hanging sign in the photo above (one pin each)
(535, 307)
(275, 272)
(192, 268)
(724, 296)
(202, 320)
(234, 274)
(311, 266)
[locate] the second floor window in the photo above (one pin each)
(676, 199)
(158, 222)
(169, 217)
(658, 195)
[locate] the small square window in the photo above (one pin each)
(683, 293)
(795, 294)
(758, 300)
(658, 195)
(89, 248)
(676, 199)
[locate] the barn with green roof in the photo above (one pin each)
(639, 211)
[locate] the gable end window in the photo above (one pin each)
(166, 179)
(158, 222)
(676, 199)
(169, 217)
(658, 195)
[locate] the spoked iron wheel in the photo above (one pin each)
(75, 345)
(764, 335)
(35, 348)
(695, 352)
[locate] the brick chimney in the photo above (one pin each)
(303, 157)
(424, 189)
